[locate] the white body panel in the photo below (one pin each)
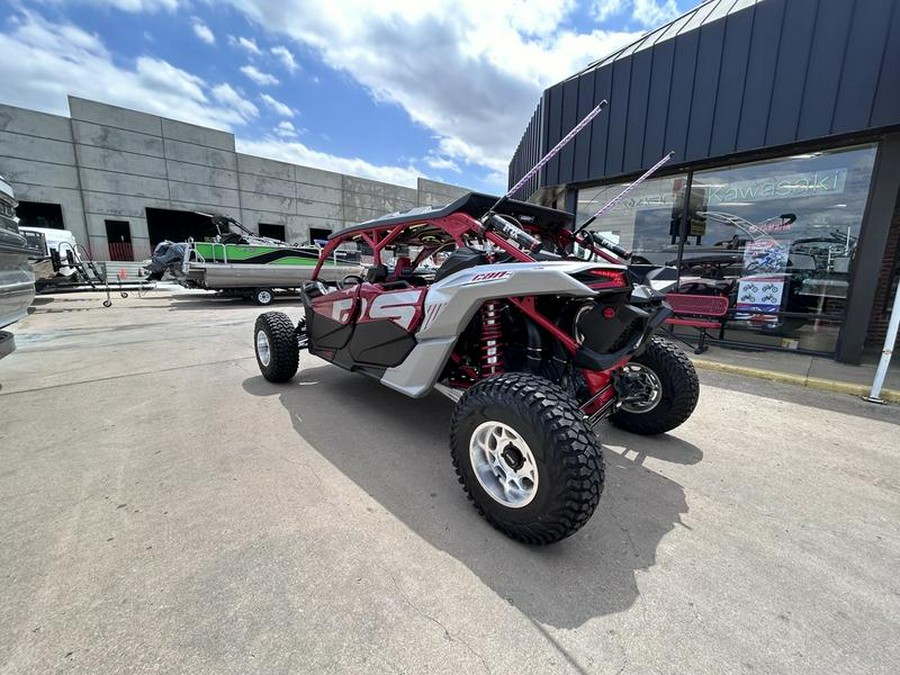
(452, 302)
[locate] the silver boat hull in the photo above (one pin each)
(223, 276)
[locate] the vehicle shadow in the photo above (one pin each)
(396, 449)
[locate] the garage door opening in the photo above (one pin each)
(318, 234)
(165, 224)
(272, 231)
(39, 214)
(118, 239)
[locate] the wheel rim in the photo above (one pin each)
(647, 387)
(264, 297)
(263, 351)
(504, 464)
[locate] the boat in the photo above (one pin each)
(239, 262)
(16, 277)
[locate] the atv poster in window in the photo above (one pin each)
(761, 288)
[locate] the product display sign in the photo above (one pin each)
(761, 287)
(759, 298)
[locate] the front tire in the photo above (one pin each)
(275, 342)
(526, 458)
(673, 389)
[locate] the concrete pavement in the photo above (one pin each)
(167, 510)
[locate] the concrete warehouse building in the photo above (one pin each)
(123, 180)
(784, 117)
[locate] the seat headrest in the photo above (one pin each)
(376, 274)
(403, 267)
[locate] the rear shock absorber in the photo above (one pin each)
(491, 339)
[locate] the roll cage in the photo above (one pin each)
(435, 228)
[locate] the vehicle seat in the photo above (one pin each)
(376, 274)
(460, 259)
(403, 271)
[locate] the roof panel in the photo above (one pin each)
(724, 8)
(701, 15)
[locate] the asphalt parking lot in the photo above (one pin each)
(165, 509)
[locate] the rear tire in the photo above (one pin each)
(526, 458)
(275, 342)
(678, 385)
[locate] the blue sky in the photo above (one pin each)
(385, 89)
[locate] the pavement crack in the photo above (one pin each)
(631, 544)
(421, 612)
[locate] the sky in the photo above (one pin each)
(383, 89)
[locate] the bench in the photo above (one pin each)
(703, 312)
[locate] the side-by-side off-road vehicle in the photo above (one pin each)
(538, 332)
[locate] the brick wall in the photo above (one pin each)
(890, 266)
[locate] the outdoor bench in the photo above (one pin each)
(703, 312)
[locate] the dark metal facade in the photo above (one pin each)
(730, 78)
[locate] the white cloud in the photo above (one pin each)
(472, 72)
(441, 163)
(226, 94)
(244, 43)
(648, 13)
(299, 153)
(277, 106)
(653, 13)
(258, 76)
(286, 58)
(56, 59)
(202, 31)
(138, 5)
(497, 180)
(603, 9)
(285, 130)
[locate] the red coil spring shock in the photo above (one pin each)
(491, 339)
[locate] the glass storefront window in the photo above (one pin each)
(645, 221)
(776, 237)
(779, 238)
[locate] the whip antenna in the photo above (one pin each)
(546, 158)
(612, 202)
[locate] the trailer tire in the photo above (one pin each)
(275, 344)
(545, 482)
(672, 372)
(263, 296)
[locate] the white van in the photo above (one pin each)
(55, 242)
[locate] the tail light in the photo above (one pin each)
(602, 278)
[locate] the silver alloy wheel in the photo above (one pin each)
(264, 297)
(651, 389)
(263, 351)
(504, 464)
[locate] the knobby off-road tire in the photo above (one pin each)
(679, 388)
(566, 456)
(275, 343)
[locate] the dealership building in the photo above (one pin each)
(123, 180)
(782, 194)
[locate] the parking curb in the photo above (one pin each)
(892, 395)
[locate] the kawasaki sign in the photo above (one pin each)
(793, 185)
